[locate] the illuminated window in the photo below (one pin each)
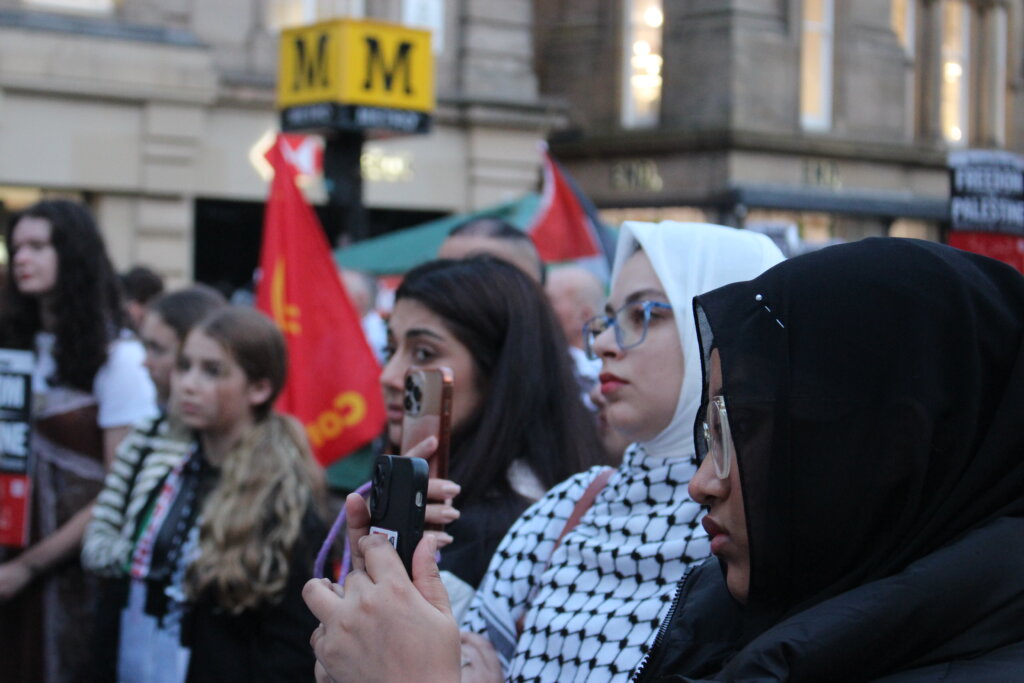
(641, 99)
(903, 23)
(284, 13)
(97, 6)
(955, 85)
(816, 66)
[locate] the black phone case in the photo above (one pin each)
(398, 502)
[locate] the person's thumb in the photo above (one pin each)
(427, 577)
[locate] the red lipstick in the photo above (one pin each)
(610, 382)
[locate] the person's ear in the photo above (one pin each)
(259, 392)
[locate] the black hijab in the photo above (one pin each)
(875, 394)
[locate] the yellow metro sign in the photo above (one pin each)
(354, 74)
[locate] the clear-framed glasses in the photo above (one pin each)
(717, 437)
(630, 323)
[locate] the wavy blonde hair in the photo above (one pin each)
(252, 519)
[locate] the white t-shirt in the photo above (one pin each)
(587, 372)
(376, 332)
(122, 387)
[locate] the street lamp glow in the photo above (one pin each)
(653, 17)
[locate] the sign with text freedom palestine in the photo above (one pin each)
(986, 191)
(15, 427)
(986, 204)
(349, 74)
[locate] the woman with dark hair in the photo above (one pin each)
(221, 552)
(89, 387)
(518, 425)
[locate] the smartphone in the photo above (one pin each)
(427, 409)
(398, 502)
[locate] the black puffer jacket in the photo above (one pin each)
(954, 615)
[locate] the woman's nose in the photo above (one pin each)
(705, 486)
(604, 344)
(392, 376)
(185, 380)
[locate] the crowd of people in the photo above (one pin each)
(724, 465)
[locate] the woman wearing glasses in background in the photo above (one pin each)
(550, 615)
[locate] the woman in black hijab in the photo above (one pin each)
(865, 422)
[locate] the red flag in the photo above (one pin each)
(333, 378)
(562, 229)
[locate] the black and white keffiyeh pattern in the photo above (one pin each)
(608, 585)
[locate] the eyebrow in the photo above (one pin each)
(422, 332)
(640, 295)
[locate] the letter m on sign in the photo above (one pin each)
(311, 64)
(377, 64)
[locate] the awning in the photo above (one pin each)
(400, 251)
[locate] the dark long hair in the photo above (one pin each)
(531, 408)
(86, 301)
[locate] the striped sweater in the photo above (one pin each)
(143, 460)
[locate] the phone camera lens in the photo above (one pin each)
(408, 403)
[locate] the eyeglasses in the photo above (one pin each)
(630, 323)
(717, 437)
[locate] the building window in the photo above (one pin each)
(91, 6)
(903, 23)
(285, 13)
(955, 84)
(641, 99)
(816, 65)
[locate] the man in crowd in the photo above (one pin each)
(577, 295)
(494, 237)
(141, 285)
(362, 290)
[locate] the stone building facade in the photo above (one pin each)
(150, 110)
(835, 116)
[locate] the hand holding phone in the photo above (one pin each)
(398, 501)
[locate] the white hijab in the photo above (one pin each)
(690, 259)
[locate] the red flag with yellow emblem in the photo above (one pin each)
(333, 378)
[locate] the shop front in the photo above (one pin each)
(828, 194)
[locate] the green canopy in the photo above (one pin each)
(398, 252)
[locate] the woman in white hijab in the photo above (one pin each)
(610, 579)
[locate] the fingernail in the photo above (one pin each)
(450, 489)
(450, 514)
(442, 536)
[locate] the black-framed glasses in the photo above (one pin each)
(717, 437)
(630, 323)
